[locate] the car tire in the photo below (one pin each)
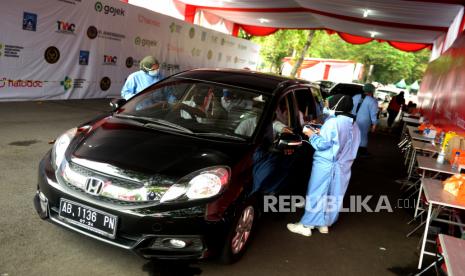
(240, 234)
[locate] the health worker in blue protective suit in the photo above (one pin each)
(148, 74)
(366, 111)
(336, 147)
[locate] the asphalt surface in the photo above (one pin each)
(358, 244)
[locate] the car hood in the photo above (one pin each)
(129, 145)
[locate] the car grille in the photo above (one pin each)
(107, 199)
(83, 171)
(114, 180)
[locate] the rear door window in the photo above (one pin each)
(306, 105)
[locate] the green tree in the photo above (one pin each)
(275, 47)
(303, 53)
(389, 64)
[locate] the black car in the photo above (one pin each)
(349, 89)
(178, 171)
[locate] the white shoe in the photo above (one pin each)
(299, 228)
(323, 229)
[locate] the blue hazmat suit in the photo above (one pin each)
(367, 116)
(137, 82)
(335, 150)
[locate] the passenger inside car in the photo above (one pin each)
(271, 167)
(281, 120)
(192, 107)
(231, 99)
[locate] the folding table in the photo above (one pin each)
(437, 199)
(408, 120)
(429, 164)
(423, 147)
(453, 251)
(412, 135)
(415, 134)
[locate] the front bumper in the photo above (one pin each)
(146, 231)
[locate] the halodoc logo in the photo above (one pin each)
(65, 27)
(10, 83)
(106, 9)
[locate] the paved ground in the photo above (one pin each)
(359, 244)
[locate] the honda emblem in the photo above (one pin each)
(94, 186)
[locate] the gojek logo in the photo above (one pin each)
(67, 83)
(145, 42)
(65, 27)
(106, 9)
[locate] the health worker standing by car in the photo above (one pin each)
(148, 74)
(336, 147)
(366, 110)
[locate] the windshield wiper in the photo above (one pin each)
(154, 121)
(217, 134)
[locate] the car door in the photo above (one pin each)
(305, 109)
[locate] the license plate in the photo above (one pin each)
(89, 218)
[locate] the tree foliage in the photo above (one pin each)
(389, 64)
(279, 45)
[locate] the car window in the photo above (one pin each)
(283, 117)
(307, 107)
(283, 111)
(199, 107)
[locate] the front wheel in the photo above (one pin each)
(239, 235)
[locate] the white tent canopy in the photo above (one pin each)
(432, 23)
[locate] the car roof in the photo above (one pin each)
(247, 79)
(348, 88)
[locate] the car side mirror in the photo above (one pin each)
(117, 103)
(287, 142)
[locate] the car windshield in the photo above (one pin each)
(198, 108)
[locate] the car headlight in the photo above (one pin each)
(198, 185)
(60, 146)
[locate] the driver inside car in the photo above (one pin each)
(198, 105)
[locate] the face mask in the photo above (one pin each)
(225, 103)
(332, 111)
(153, 73)
(328, 112)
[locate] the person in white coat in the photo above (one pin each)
(366, 111)
(336, 147)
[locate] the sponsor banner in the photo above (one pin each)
(74, 49)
